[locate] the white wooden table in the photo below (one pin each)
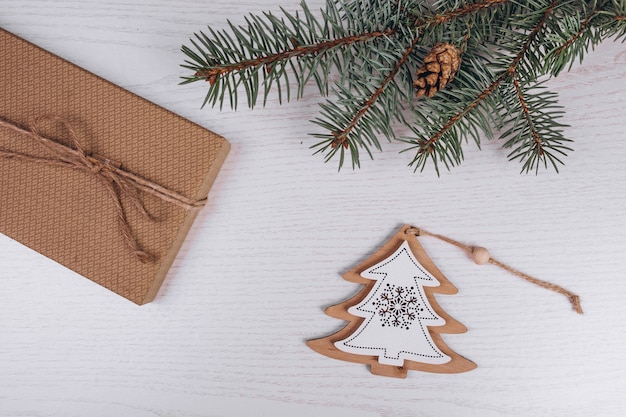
(226, 335)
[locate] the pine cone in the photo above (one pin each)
(438, 69)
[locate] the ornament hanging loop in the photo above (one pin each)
(481, 256)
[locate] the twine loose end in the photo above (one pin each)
(575, 300)
(144, 257)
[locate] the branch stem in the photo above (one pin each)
(528, 117)
(297, 51)
(460, 12)
(583, 25)
(342, 137)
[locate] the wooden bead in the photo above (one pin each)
(480, 255)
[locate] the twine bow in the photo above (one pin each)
(118, 182)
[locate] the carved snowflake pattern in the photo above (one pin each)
(397, 306)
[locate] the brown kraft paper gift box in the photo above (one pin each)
(71, 214)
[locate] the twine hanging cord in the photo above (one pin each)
(481, 256)
(118, 182)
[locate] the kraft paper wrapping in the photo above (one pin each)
(68, 215)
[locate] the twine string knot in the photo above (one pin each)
(118, 182)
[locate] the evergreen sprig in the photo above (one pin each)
(363, 55)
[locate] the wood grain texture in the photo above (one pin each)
(226, 334)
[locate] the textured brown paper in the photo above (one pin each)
(68, 215)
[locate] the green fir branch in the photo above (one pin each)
(363, 54)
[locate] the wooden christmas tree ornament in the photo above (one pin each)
(395, 323)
